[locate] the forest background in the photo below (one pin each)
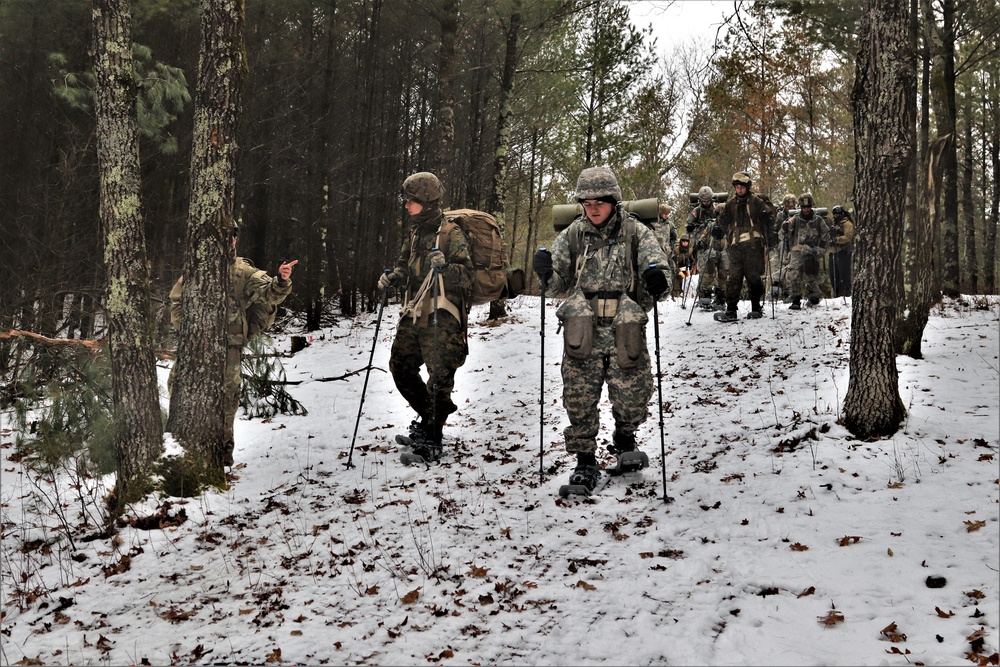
(119, 173)
(506, 101)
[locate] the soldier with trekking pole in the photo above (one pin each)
(435, 270)
(603, 261)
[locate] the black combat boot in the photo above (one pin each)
(587, 472)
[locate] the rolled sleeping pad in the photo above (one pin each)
(821, 211)
(717, 197)
(648, 210)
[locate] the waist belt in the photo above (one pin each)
(604, 321)
(747, 236)
(603, 303)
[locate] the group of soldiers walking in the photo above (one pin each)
(801, 252)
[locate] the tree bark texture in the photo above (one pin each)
(196, 403)
(946, 113)
(884, 90)
(138, 429)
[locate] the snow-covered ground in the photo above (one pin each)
(787, 541)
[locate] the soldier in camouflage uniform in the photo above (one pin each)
(666, 235)
(841, 244)
(429, 256)
(605, 259)
(248, 286)
(779, 258)
(804, 239)
(713, 261)
(743, 223)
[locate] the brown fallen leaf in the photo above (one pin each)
(798, 547)
(889, 551)
(411, 597)
(808, 591)
(973, 526)
(891, 632)
(832, 618)
(944, 614)
(478, 572)
(585, 586)
(848, 540)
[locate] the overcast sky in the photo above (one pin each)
(674, 21)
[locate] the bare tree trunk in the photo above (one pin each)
(923, 292)
(138, 431)
(969, 209)
(501, 146)
(990, 240)
(446, 105)
(946, 122)
(197, 414)
(884, 90)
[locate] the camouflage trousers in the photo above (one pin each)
(414, 347)
(583, 380)
(746, 262)
(713, 269)
(799, 282)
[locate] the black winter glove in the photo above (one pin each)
(691, 227)
(718, 232)
(542, 264)
(655, 281)
(387, 279)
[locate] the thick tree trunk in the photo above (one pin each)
(138, 430)
(884, 90)
(501, 146)
(196, 406)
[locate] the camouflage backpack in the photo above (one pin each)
(489, 256)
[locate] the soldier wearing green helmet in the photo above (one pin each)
(435, 270)
(744, 223)
(613, 267)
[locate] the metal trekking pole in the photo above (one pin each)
(368, 371)
(435, 293)
(690, 279)
(770, 275)
(659, 396)
(687, 284)
(541, 387)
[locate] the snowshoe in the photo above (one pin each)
(796, 305)
(630, 459)
(725, 316)
(629, 462)
(814, 301)
(705, 303)
(421, 451)
(584, 481)
(755, 315)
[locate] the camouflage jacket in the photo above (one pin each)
(412, 265)
(666, 235)
(248, 285)
(703, 219)
(611, 258)
(800, 234)
(745, 220)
